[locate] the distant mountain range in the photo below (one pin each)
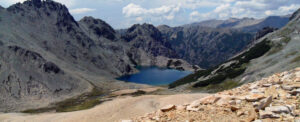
(245, 24)
(47, 56)
(275, 52)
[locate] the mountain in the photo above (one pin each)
(246, 24)
(275, 52)
(48, 57)
(206, 46)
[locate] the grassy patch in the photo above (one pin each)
(213, 88)
(286, 39)
(296, 59)
(73, 105)
(285, 32)
(291, 54)
(190, 78)
(84, 101)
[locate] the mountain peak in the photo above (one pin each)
(36, 5)
(100, 27)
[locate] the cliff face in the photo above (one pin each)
(206, 47)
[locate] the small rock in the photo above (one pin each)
(297, 79)
(224, 101)
(240, 113)
(292, 109)
(234, 108)
(264, 103)
(278, 109)
(254, 97)
(267, 85)
(256, 91)
(267, 114)
(254, 86)
(288, 88)
(168, 108)
(295, 92)
(209, 100)
(272, 91)
(238, 101)
(189, 108)
(296, 85)
(251, 116)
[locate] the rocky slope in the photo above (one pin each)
(48, 56)
(275, 98)
(205, 46)
(262, 59)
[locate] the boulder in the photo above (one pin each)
(279, 109)
(295, 92)
(267, 114)
(254, 97)
(168, 108)
(254, 86)
(288, 88)
(189, 108)
(207, 100)
(264, 103)
(267, 85)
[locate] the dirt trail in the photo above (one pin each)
(112, 111)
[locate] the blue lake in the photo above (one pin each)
(155, 76)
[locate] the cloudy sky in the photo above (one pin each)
(124, 13)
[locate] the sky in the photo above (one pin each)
(125, 13)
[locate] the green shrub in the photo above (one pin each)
(213, 88)
(84, 101)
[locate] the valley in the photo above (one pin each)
(55, 68)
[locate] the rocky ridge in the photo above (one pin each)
(275, 98)
(246, 24)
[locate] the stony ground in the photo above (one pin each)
(276, 98)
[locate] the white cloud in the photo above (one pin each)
(81, 10)
(163, 12)
(139, 19)
(222, 8)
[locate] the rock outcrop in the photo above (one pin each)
(273, 103)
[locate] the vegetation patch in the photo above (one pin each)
(285, 31)
(291, 54)
(214, 88)
(190, 78)
(81, 102)
(296, 59)
(229, 72)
